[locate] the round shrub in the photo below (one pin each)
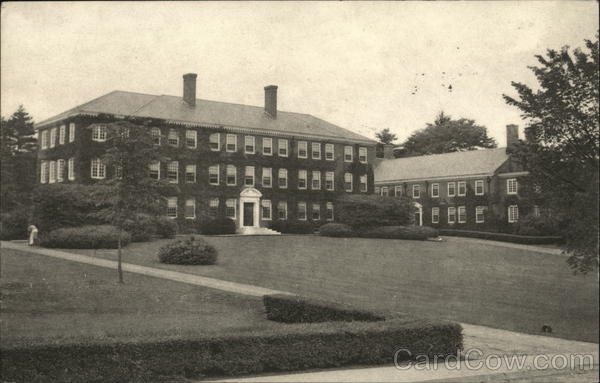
(142, 228)
(85, 237)
(336, 230)
(13, 225)
(292, 227)
(189, 251)
(218, 226)
(165, 227)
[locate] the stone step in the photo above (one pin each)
(257, 231)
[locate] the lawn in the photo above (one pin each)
(39, 305)
(460, 280)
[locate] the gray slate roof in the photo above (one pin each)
(211, 113)
(447, 165)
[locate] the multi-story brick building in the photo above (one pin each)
(460, 189)
(248, 163)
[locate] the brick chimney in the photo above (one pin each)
(189, 88)
(388, 151)
(512, 135)
(271, 100)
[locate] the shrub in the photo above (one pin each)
(85, 237)
(360, 211)
(537, 226)
(217, 226)
(294, 309)
(292, 227)
(165, 227)
(522, 239)
(141, 228)
(399, 232)
(336, 230)
(189, 251)
(13, 225)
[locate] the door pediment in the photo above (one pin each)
(250, 193)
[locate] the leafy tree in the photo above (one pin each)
(385, 136)
(561, 151)
(446, 135)
(19, 130)
(131, 191)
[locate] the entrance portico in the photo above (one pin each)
(249, 208)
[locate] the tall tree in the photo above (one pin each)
(446, 135)
(20, 129)
(561, 151)
(385, 136)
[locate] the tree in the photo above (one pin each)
(20, 130)
(561, 151)
(446, 135)
(131, 191)
(386, 137)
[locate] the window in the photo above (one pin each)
(348, 154)
(302, 175)
(191, 139)
(43, 172)
(155, 133)
(462, 188)
(316, 180)
(214, 142)
(249, 176)
(302, 149)
(52, 137)
(435, 190)
(52, 176)
(329, 154)
(479, 190)
(190, 173)
(316, 151)
(231, 178)
(118, 171)
(71, 169)
(249, 143)
(416, 191)
(462, 214)
(62, 132)
(44, 139)
(451, 189)
(60, 170)
(480, 214)
(282, 178)
(190, 208)
(173, 138)
(267, 146)
(348, 182)
(71, 132)
(266, 209)
(451, 215)
(316, 211)
(266, 177)
(230, 208)
(363, 183)
(173, 172)
(302, 211)
(98, 169)
(435, 215)
(398, 190)
(283, 147)
(282, 210)
(231, 145)
(155, 170)
(99, 133)
(513, 214)
(511, 186)
(213, 207)
(385, 191)
(172, 207)
(329, 211)
(362, 155)
(535, 211)
(377, 190)
(213, 174)
(329, 180)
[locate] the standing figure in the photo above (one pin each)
(33, 235)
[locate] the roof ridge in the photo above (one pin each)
(450, 153)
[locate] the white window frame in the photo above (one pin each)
(44, 172)
(267, 172)
(190, 169)
(213, 207)
(385, 191)
(154, 167)
(329, 208)
(512, 186)
(461, 185)
(170, 165)
(71, 132)
(214, 170)
(249, 141)
(303, 205)
(62, 132)
(71, 169)
(435, 215)
(231, 140)
(156, 133)
(363, 185)
(283, 172)
(398, 190)
(268, 140)
(52, 137)
(479, 183)
(249, 171)
(44, 139)
(416, 191)
(480, 213)
(231, 203)
(282, 207)
(211, 141)
(187, 204)
(348, 179)
(315, 177)
(453, 189)
(535, 210)
(363, 153)
(266, 203)
(316, 207)
(329, 152)
(172, 207)
(313, 146)
(52, 172)
(303, 146)
(348, 152)
(435, 187)
(461, 211)
(330, 181)
(98, 168)
(305, 178)
(451, 213)
(60, 170)
(231, 170)
(191, 134)
(173, 135)
(282, 143)
(99, 133)
(513, 213)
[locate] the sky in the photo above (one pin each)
(364, 66)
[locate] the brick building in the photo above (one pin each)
(248, 163)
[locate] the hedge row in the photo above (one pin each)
(294, 309)
(387, 232)
(286, 348)
(292, 227)
(188, 251)
(522, 239)
(13, 225)
(85, 237)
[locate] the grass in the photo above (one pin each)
(460, 280)
(46, 300)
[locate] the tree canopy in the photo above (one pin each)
(447, 135)
(561, 150)
(385, 136)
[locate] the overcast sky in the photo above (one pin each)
(361, 65)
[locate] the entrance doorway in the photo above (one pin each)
(248, 213)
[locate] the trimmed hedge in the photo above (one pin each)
(399, 232)
(142, 228)
(189, 251)
(13, 225)
(292, 227)
(165, 227)
(85, 237)
(218, 226)
(336, 230)
(295, 309)
(522, 239)
(360, 211)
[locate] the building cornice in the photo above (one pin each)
(433, 179)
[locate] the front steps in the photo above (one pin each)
(249, 230)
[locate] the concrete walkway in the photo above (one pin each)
(534, 248)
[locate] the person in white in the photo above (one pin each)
(33, 233)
